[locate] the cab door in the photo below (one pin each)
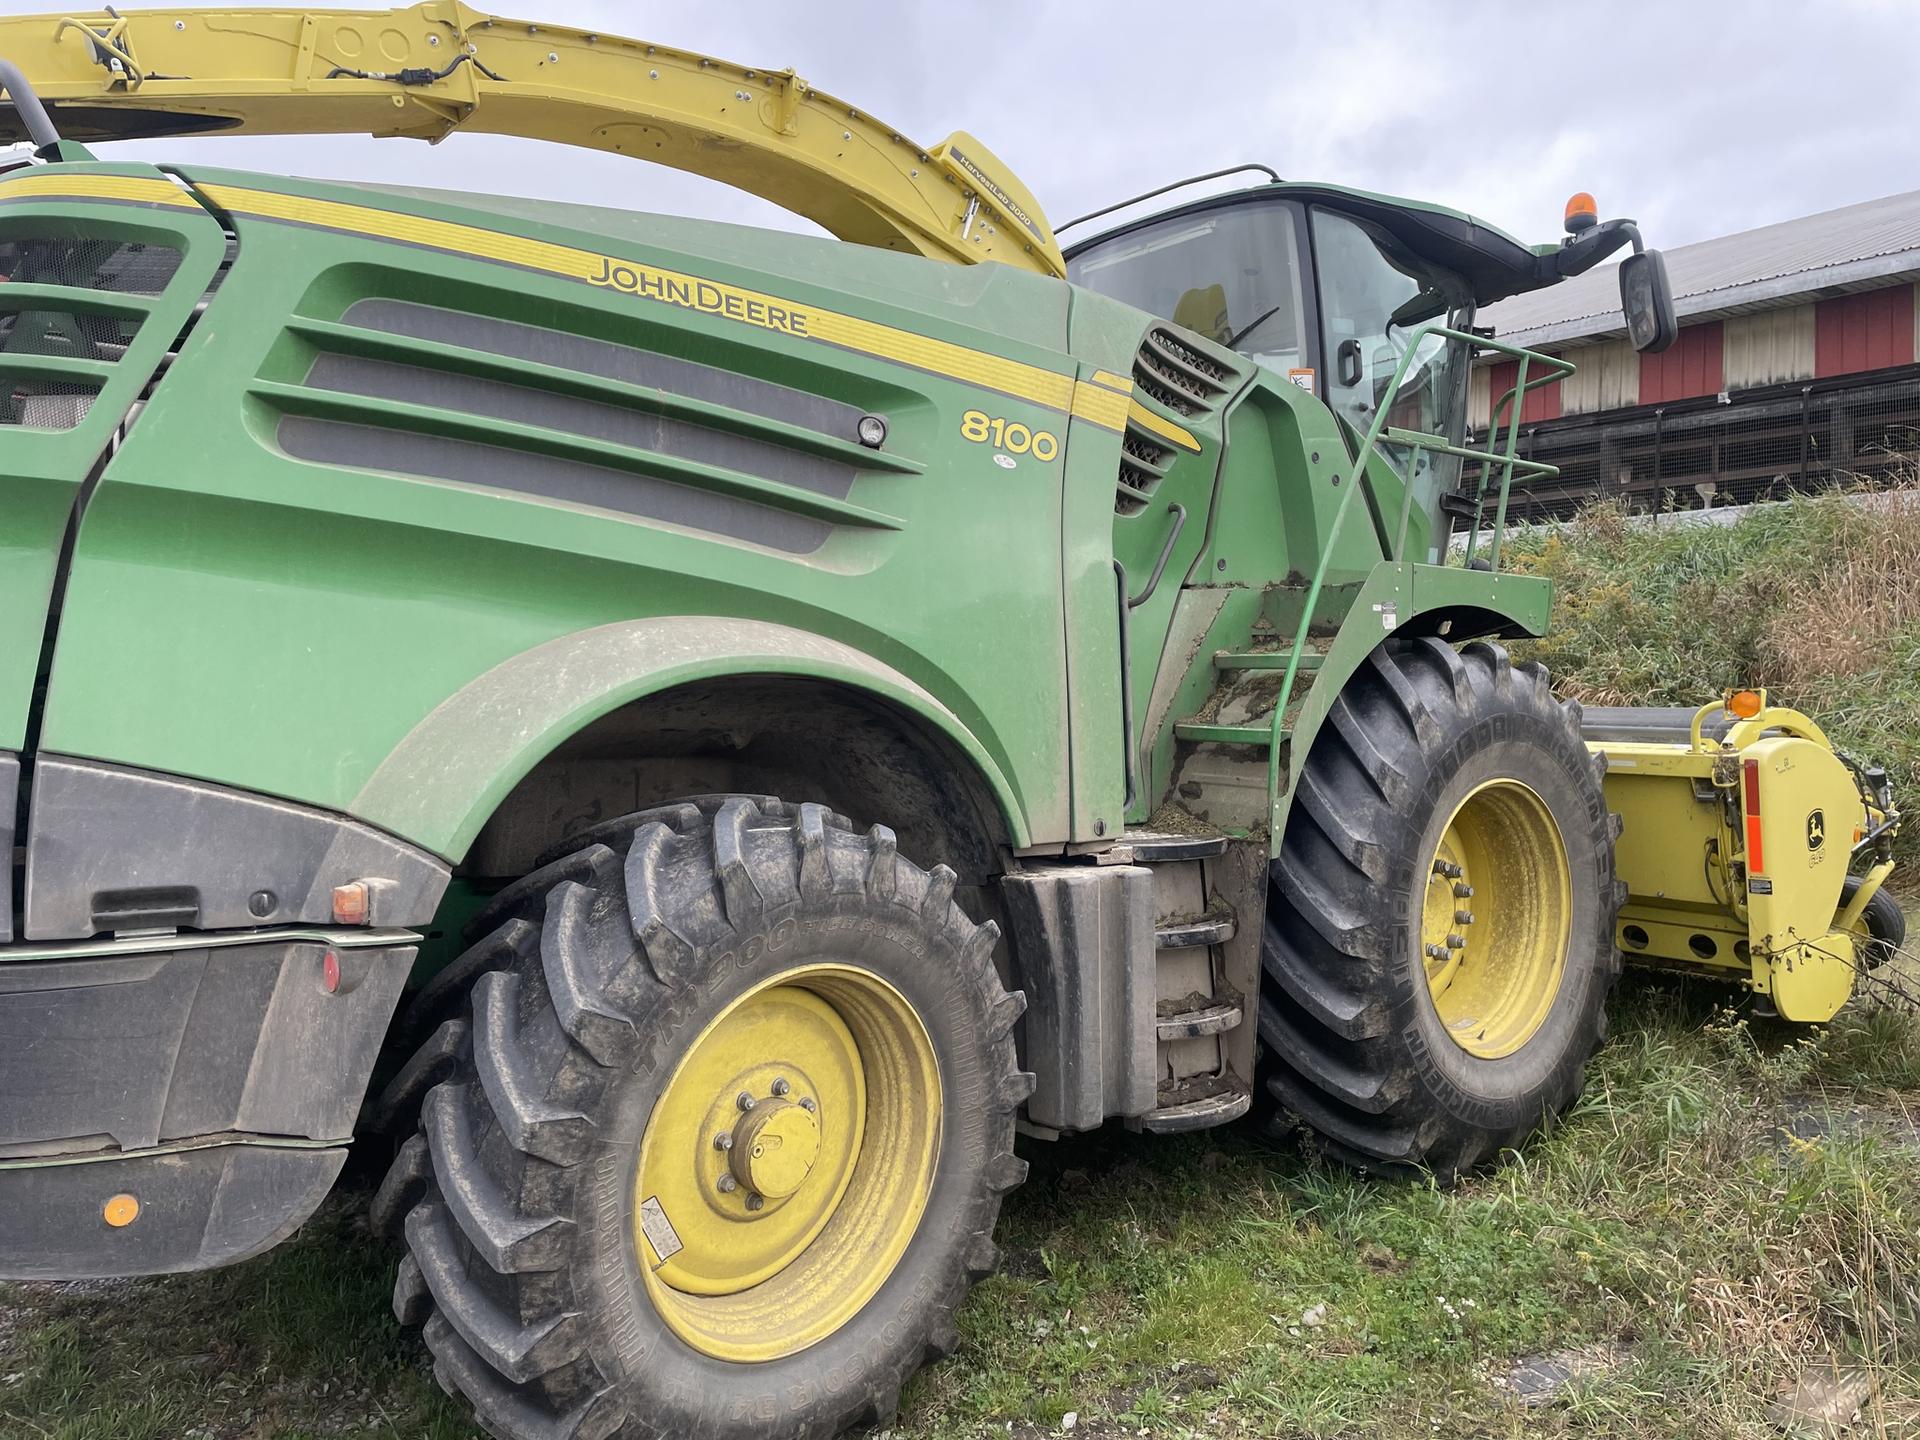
(1372, 298)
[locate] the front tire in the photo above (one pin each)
(1882, 927)
(712, 1001)
(1440, 934)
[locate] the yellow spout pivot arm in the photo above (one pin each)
(436, 67)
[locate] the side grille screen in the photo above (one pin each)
(69, 307)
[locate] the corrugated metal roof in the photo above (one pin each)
(1852, 248)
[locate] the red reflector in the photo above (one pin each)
(1750, 777)
(330, 972)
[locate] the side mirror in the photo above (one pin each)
(1646, 300)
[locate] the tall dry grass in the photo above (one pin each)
(1846, 617)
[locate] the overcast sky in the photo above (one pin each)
(1697, 118)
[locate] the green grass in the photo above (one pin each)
(1669, 1223)
(1728, 1203)
(293, 1345)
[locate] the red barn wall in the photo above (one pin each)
(1695, 364)
(1868, 331)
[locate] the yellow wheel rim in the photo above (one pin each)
(1497, 915)
(786, 1166)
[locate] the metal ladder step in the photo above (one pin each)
(1213, 1019)
(1265, 660)
(1207, 930)
(1208, 734)
(1227, 1100)
(1168, 847)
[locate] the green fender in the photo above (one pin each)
(442, 781)
(1405, 598)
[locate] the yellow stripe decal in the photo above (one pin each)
(1100, 405)
(1165, 429)
(1102, 402)
(751, 307)
(96, 187)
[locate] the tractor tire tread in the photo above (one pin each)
(1334, 1032)
(489, 1187)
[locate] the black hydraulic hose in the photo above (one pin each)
(27, 104)
(417, 75)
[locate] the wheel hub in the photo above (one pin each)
(787, 1163)
(774, 1148)
(1496, 919)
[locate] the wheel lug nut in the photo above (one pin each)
(728, 1184)
(1436, 952)
(754, 1202)
(743, 1100)
(780, 1087)
(1464, 892)
(723, 1141)
(1463, 917)
(808, 1104)
(1456, 942)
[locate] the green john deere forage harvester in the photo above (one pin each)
(841, 704)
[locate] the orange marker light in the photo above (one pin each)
(350, 903)
(121, 1211)
(1583, 212)
(1745, 704)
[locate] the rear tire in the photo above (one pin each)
(532, 1264)
(1430, 753)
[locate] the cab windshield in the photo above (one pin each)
(1231, 274)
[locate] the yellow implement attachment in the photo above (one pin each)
(1736, 849)
(437, 67)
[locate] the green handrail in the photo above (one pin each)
(1380, 433)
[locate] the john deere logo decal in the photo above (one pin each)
(1816, 830)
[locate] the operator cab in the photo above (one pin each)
(1328, 288)
(1326, 298)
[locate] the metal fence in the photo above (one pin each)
(1761, 444)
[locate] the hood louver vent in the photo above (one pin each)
(69, 307)
(1143, 465)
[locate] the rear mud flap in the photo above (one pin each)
(158, 1213)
